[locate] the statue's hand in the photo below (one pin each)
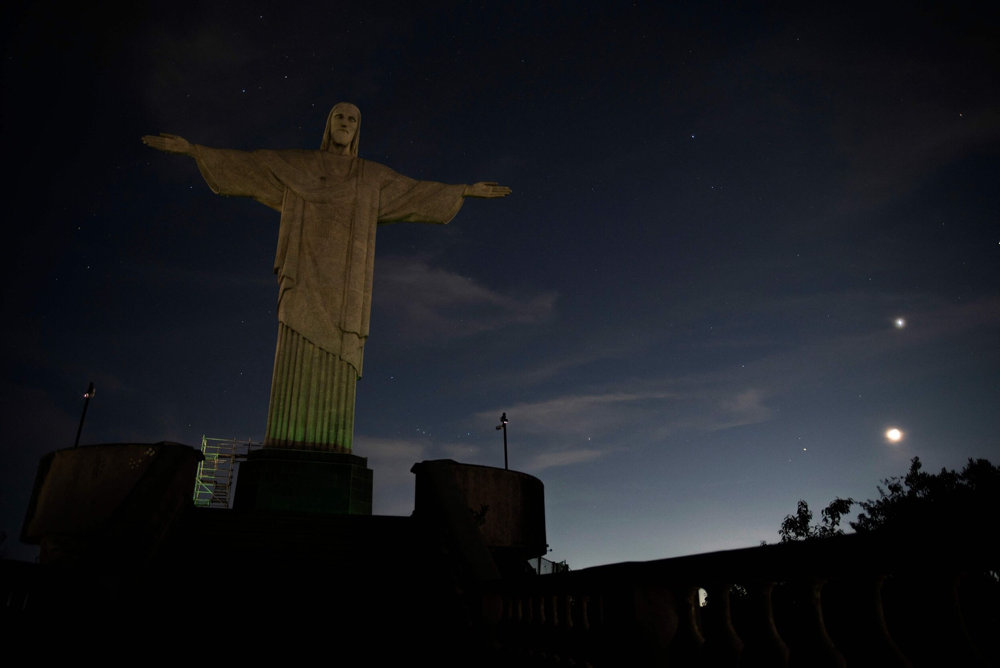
(168, 143)
(486, 189)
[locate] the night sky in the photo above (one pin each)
(687, 307)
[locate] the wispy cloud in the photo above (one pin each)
(433, 304)
(461, 451)
(571, 428)
(899, 138)
(581, 414)
(393, 449)
(746, 407)
(578, 428)
(553, 459)
(872, 340)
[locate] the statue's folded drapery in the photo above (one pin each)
(330, 205)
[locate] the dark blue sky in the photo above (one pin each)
(686, 307)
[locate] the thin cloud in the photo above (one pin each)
(806, 365)
(579, 415)
(900, 137)
(574, 429)
(392, 449)
(547, 460)
(566, 359)
(744, 408)
(461, 452)
(433, 304)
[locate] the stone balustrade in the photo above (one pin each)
(846, 601)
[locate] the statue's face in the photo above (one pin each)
(345, 125)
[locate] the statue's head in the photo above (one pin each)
(343, 128)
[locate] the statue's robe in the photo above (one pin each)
(330, 205)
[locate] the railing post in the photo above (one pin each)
(723, 645)
(764, 646)
(812, 646)
(688, 642)
(653, 615)
(855, 618)
(884, 605)
(933, 632)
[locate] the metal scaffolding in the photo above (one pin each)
(216, 473)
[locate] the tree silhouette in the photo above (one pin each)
(799, 526)
(917, 502)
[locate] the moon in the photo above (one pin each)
(899, 323)
(894, 435)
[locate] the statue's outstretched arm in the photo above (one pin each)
(487, 189)
(168, 143)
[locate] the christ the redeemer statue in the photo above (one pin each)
(330, 202)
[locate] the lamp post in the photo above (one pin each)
(503, 425)
(86, 402)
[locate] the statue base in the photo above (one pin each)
(309, 481)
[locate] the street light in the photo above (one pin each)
(503, 425)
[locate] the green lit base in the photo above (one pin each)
(306, 481)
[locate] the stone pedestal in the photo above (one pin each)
(307, 481)
(501, 510)
(108, 504)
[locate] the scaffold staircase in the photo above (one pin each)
(216, 473)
